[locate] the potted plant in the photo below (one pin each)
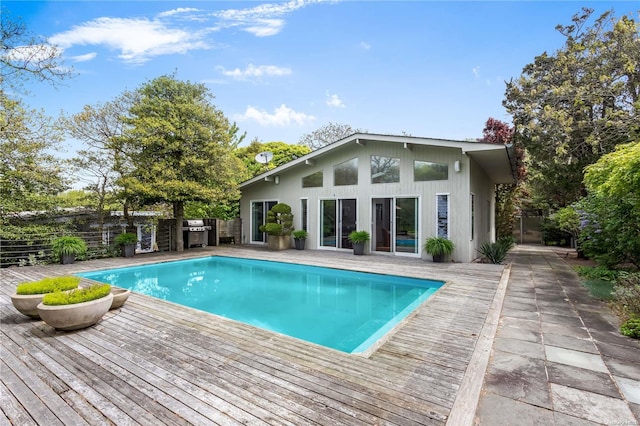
(127, 242)
(438, 247)
(359, 239)
(28, 295)
(299, 238)
(120, 295)
(279, 227)
(76, 309)
(66, 248)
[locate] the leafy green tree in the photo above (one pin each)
(327, 134)
(282, 153)
(611, 211)
(508, 196)
(571, 107)
(30, 175)
(180, 147)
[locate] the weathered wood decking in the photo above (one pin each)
(154, 362)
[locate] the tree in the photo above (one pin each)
(30, 176)
(282, 153)
(101, 164)
(327, 134)
(508, 196)
(179, 146)
(25, 57)
(611, 211)
(572, 107)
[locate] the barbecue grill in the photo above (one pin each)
(195, 233)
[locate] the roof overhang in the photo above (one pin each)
(496, 160)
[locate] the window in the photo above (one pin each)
(313, 180)
(346, 173)
(385, 169)
(473, 215)
(442, 215)
(424, 171)
(305, 214)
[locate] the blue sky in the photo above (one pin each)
(285, 68)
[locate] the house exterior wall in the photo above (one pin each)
(458, 187)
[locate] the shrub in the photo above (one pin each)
(67, 245)
(597, 273)
(438, 246)
(126, 238)
(48, 285)
(627, 293)
(496, 252)
(359, 237)
(281, 215)
(300, 234)
(631, 328)
(77, 296)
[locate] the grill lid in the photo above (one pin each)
(194, 225)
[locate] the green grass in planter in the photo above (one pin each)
(77, 296)
(48, 285)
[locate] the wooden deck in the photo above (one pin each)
(153, 362)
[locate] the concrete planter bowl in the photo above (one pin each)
(77, 315)
(27, 304)
(120, 295)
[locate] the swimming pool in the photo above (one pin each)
(344, 310)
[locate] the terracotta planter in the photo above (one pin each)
(120, 295)
(77, 315)
(27, 304)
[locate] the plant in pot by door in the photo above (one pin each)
(279, 227)
(438, 247)
(127, 241)
(299, 237)
(76, 309)
(359, 239)
(66, 248)
(29, 295)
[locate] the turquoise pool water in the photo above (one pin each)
(343, 310)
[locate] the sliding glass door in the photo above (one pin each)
(259, 211)
(395, 225)
(338, 219)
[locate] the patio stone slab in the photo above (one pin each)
(615, 338)
(519, 334)
(567, 342)
(572, 321)
(619, 352)
(566, 420)
(591, 406)
(564, 330)
(629, 388)
(583, 379)
(496, 410)
(635, 408)
(520, 323)
(518, 377)
(623, 368)
(520, 313)
(519, 347)
(575, 359)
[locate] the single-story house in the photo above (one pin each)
(401, 189)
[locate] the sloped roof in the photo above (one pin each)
(496, 160)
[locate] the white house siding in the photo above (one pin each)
(458, 186)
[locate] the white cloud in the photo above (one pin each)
(253, 71)
(85, 57)
(137, 39)
(261, 20)
(265, 27)
(177, 11)
(334, 101)
(33, 53)
(476, 71)
(365, 45)
(282, 116)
